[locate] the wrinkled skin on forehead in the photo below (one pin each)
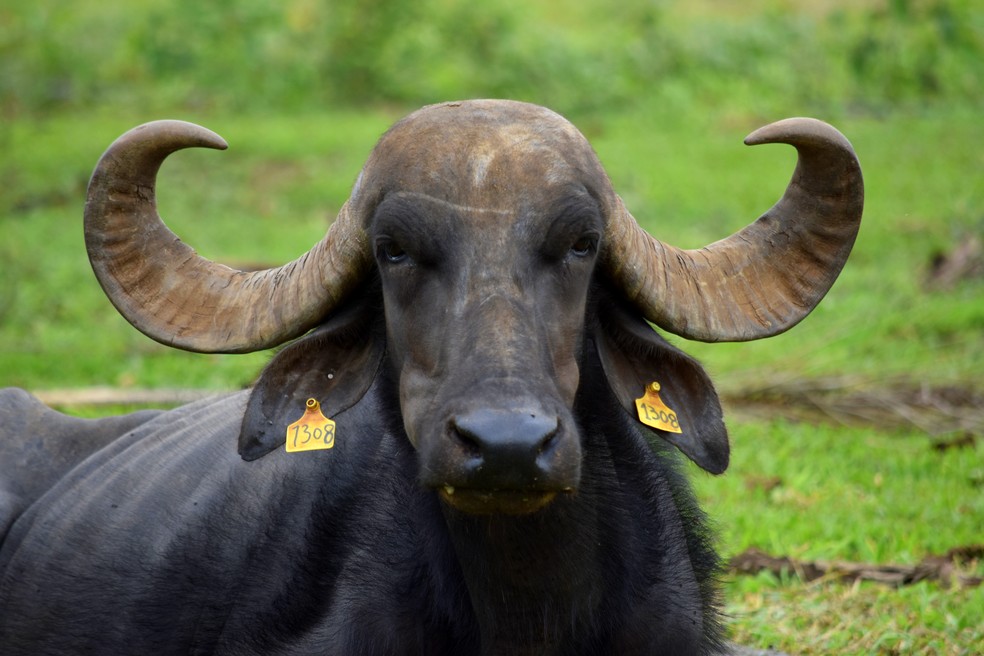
(486, 232)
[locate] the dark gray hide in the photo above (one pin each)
(38, 446)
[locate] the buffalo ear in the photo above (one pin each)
(334, 364)
(633, 355)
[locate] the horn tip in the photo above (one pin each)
(180, 133)
(798, 131)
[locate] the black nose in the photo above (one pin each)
(507, 449)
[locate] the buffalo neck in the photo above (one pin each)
(535, 581)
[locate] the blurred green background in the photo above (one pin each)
(591, 56)
(665, 91)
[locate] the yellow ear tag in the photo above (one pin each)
(653, 412)
(312, 431)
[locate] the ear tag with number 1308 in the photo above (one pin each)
(653, 412)
(312, 431)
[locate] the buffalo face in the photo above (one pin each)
(486, 239)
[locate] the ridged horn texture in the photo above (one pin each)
(764, 279)
(175, 296)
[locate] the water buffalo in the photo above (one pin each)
(475, 324)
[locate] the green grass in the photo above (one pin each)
(853, 495)
(845, 494)
(859, 620)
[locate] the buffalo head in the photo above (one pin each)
(493, 236)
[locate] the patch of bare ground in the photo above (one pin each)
(964, 261)
(953, 414)
(739, 650)
(949, 569)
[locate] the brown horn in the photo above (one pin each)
(172, 294)
(765, 278)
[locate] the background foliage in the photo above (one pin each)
(248, 55)
(664, 90)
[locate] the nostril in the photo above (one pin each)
(549, 439)
(470, 443)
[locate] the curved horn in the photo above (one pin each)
(765, 278)
(172, 294)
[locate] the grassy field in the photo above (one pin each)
(861, 495)
(668, 128)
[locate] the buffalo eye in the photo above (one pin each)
(392, 252)
(583, 246)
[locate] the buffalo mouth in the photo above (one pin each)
(496, 502)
